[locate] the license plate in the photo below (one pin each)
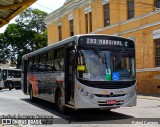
(111, 102)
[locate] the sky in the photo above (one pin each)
(44, 5)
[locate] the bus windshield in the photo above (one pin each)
(14, 74)
(123, 64)
(94, 65)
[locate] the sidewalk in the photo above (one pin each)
(149, 97)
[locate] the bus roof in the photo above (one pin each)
(67, 41)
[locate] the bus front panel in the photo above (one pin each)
(105, 72)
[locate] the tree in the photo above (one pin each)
(26, 35)
(32, 20)
(5, 52)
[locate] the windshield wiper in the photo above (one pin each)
(117, 60)
(100, 56)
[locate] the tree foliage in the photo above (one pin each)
(32, 20)
(26, 35)
(5, 52)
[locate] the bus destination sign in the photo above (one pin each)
(104, 42)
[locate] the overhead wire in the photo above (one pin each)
(44, 6)
(137, 4)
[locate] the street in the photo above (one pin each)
(14, 102)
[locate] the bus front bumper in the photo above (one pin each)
(102, 102)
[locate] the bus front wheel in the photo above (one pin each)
(10, 86)
(60, 103)
(32, 98)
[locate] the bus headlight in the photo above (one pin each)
(86, 94)
(91, 96)
(128, 95)
(131, 94)
(81, 90)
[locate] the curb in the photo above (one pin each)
(149, 97)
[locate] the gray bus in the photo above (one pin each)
(10, 78)
(83, 72)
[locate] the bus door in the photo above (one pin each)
(0, 79)
(69, 76)
(24, 76)
(4, 75)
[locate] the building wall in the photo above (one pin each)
(148, 82)
(141, 28)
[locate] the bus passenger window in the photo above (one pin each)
(35, 64)
(49, 61)
(41, 64)
(59, 60)
(4, 74)
(30, 62)
(59, 65)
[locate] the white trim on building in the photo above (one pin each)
(59, 23)
(70, 17)
(87, 9)
(148, 69)
(156, 34)
(57, 14)
(105, 2)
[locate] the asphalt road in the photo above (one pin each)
(15, 103)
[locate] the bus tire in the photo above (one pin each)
(0, 88)
(17, 88)
(108, 110)
(59, 103)
(32, 98)
(10, 86)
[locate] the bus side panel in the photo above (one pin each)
(1, 84)
(0, 78)
(44, 85)
(24, 77)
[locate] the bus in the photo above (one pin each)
(10, 78)
(89, 71)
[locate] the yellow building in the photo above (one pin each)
(135, 19)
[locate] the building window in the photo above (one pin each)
(157, 3)
(86, 17)
(90, 22)
(130, 9)
(71, 28)
(157, 41)
(60, 32)
(106, 15)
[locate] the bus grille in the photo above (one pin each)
(113, 86)
(102, 95)
(108, 84)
